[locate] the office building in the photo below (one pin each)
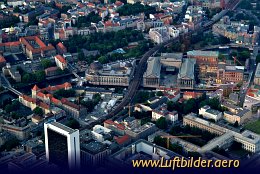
(141, 131)
(209, 113)
(250, 141)
(162, 111)
(62, 145)
(141, 149)
(94, 154)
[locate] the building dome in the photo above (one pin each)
(95, 66)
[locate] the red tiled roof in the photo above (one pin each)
(2, 59)
(91, 4)
(55, 101)
(123, 139)
(60, 58)
(53, 68)
(44, 105)
(251, 94)
(119, 126)
(57, 87)
(70, 104)
(49, 95)
(29, 99)
(26, 41)
(119, 3)
(67, 85)
(81, 5)
(192, 94)
(35, 88)
(47, 48)
(9, 44)
(40, 94)
(111, 24)
(61, 46)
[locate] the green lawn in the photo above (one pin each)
(253, 126)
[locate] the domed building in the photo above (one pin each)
(115, 74)
(95, 66)
(128, 65)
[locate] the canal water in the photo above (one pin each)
(27, 89)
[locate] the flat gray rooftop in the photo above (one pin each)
(63, 127)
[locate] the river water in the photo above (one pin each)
(27, 89)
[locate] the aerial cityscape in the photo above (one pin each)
(107, 84)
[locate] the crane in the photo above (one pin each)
(182, 136)
(129, 107)
(236, 60)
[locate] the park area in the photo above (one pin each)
(253, 126)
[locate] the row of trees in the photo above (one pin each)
(143, 96)
(37, 76)
(13, 106)
(205, 136)
(175, 147)
(133, 9)
(90, 104)
(8, 21)
(46, 63)
(10, 144)
(15, 109)
(62, 93)
(241, 55)
(193, 105)
(38, 111)
(208, 39)
(104, 42)
(85, 21)
(73, 123)
(138, 51)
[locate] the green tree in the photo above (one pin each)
(160, 141)
(10, 144)
(221, 57)
(242, 56)
(89, 105)
(81, 56)
(64, 93)
(9, 21)
(161, 123)
(176, 148)
(16, 9)
(236, 124)
(26, 78)
(170, 106)
(246, 4)
(46, 63)
(64, 9)
(257, 59)
(133, 9)
(103, 59)
(159, 93)
(38, 111)
(39, 76)
(73, 123)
